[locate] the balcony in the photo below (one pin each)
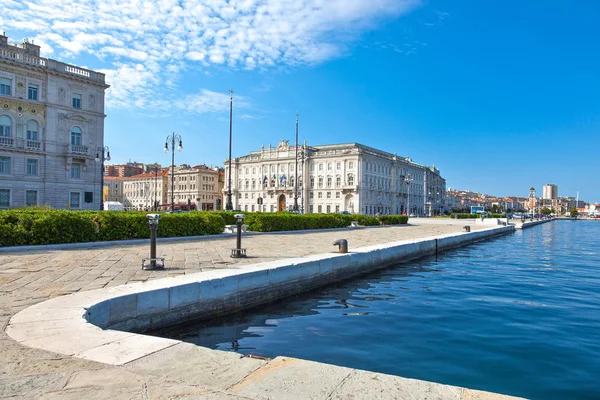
(33, 145)
(78, 149)
(7, 142)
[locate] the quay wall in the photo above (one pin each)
(102, 325)
(199, 297)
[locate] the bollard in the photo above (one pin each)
(238, 252)
(467, 228)
(343, 245)
(153, 220)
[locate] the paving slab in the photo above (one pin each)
(31, 276)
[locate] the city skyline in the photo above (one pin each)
(498, 104)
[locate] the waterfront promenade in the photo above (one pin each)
(30, 277)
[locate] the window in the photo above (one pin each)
(4, 198)
(76, 100)
(337, 209)
(319, 209)
(328, 181)
(75, 171)
(312, 166)
(337, 195)
(320, 195)
(88, 197)
(350, 164)
(32, 167)
(312, 182)
(31, 197)
(320, 167)
(74, 200)
(76, 136)
(329, 166)
(311, 195)
(5, 125)
(338, 181)
(328, 195)
(350, 180)
(5, 85)
(328, 209)
(338, 165)
(310, 208)
(320, 182)
(32, 92)
(4, 165)
(32, 130)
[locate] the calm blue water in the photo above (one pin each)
(518, 315)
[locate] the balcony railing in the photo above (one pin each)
(78, 149)
(33, 145)
(7, 142)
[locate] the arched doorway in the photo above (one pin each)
(281, 203)
(349, 204)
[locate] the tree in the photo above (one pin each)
(546, 211)
(573, 211)
(495, 209)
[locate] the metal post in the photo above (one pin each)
(229, 203)
(155, 185)
(173, 173)
(102, 154)
(153, 220)
(239, 252)
(296, 165)
(173, 138)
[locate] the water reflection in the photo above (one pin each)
(227, 332)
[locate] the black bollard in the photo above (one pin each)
(343, 245)
(239, 252)
(153, 220)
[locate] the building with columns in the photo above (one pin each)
(147, 191)
(348, 177)
(51, 129)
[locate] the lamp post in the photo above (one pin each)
(296, 174)
(408, 180)
(102, 154)
(173, 138)
(228, 203)
(155, 206)
(302, 154)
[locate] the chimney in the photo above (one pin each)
(31, 48)
(3, 40)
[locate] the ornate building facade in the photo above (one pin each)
(349, 178)
(194, 187)
(51, 127)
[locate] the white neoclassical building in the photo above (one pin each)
(333, 178)
(51, 130)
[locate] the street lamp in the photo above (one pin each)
(228, 203)
(102, 154)
(296, 174)
(408, 179)
(303, 155)
(173, 138)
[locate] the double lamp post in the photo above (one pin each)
(173, 138)
(102, 154)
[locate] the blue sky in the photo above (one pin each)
(501, 96)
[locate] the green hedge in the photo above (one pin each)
(44, 226)
(393, 219)
(28, 227)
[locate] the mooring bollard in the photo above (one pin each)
(238, 252)
(343, 245)
(467, 228)
(153, 220)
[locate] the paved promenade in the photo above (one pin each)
(30, 277)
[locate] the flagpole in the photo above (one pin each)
(229, 203)
(296, 174)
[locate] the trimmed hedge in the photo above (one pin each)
(44, 226)
(29, 227)
(393, 219)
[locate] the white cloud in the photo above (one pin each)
(145, 42)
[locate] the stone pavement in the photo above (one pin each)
(30, 277)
